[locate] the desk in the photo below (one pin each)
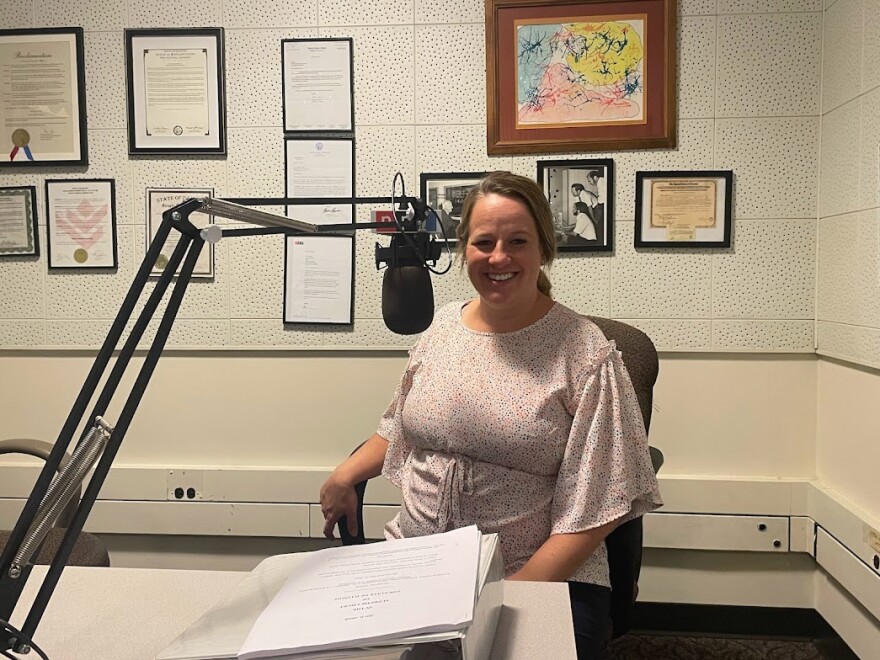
(134, 613)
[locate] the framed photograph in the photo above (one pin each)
(684, 209)
(444, 192)
(81, 224)
(175, 91)
(42, 124)
(580, 75)
(319, 279)
(160, 200)
(18, 222)
(581, 196)
(318, 84)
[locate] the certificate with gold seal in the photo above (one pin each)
(18, 222)
(42, 97)
(160, 200)
(81, 223)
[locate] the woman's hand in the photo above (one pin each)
(338, 498)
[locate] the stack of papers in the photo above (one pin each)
(381, 601)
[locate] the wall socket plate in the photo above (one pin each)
(185, 485)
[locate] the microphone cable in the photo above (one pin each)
(20, 638)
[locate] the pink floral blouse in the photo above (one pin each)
(526, 433)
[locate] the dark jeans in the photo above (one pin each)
(590, 609)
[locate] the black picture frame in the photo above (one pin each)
(292, 242)
(708, 227)
(330, 127)
(31, 248)
(581, 196)
(57, 262)
(444, 193)
(205, 134)
(24, 145)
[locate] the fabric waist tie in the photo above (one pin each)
(457, 480)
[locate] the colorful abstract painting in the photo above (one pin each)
(589, 72)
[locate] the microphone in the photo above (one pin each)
(407, 293)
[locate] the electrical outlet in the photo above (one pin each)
(185, 485)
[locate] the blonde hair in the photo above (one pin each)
(525, 190)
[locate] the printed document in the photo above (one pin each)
(349, 596)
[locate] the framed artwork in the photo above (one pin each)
(160, 200)
(684, 209)
(81, 224)
(580, 75)
(318, 84)
(444, 192)
(18, 222)
(45, 123)
(175, 91)
(581, 196)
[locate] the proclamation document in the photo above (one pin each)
(683, 203)
(320, 168)
(39, 98)
(351, 595)
(18, 223)
(81, 223)
(317, 84)
(176, 91)
(319, 279)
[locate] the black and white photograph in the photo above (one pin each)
(444, 192)
(581, 196)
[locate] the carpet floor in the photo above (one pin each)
(675, 647)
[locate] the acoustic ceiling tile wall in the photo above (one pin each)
(253, 76)
(850, 342)
(766, 6)
(774, 162)
(849, 268)
(450, 74)
(451, 11)
(269, 13)
(105, 79)
(364, 12)
(15, 14)
(581, 280)
(383, 73)
(869, 145)
(841, 53)
(368, 280)
(108, 159)
(22, 333)
(366, 333)
(696, 67)
(675, 334)
(255, 162)
(763, 336)
(23, 292)
(188, 333)
(382, 151)
(659, 283)
(769, 274)
(256, 277)
(173, 13)
(455, 149)
(109, 15)
(93, 294)
(779, 74)
(696, 7)
(871, 45)
(76, 333)
(840, 162)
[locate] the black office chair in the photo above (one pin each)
(624, 544)
(88, 549)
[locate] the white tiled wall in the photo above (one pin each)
(848, 242)
(749, 100)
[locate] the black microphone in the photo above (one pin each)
(407, 293)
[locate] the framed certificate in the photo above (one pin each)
(175, 91)
(684, 209)
(42, 98)
(160, 200)
(81, 223)
(18, 222)
(319, 280)
(318, 84)
(315, 168)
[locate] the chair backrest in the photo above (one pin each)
(88, 549)
(624, 544)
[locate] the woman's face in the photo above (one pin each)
(503, 253)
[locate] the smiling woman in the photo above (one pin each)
(514, 414)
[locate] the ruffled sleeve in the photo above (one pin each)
(606, 470)
(391, 426)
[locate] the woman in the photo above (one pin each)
(514, 414)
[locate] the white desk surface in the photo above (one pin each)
(134, 613)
